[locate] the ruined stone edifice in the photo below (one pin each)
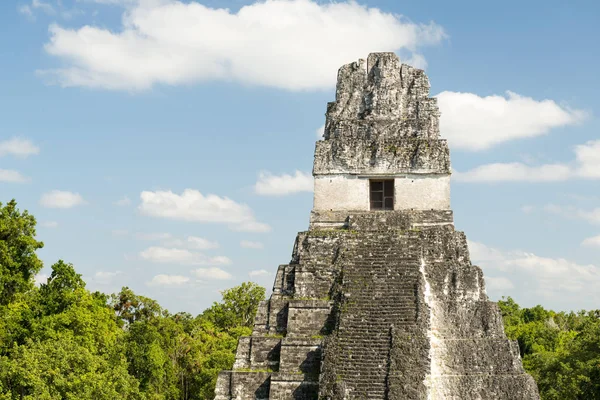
(380, 299)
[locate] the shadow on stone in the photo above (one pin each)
(263, 390)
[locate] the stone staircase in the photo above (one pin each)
(379, 290)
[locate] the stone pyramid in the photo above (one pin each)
(380, 299)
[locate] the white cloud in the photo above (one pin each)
(168, 280)
(201, 243)
(247, 244)
(499, 283)
(514, 172)
(61, 199)
(112, 2)
(320, 132)
(192, 205)
(281, 185)
(152, 236)
(167, 240)
(527, 209)
(590, 216)
(27, 11)
(586, 165)
(587, 157)
(40, 279)
(471, 122)
(18, 147)
(212, 273)
(592, 241)
(302, 44)
(558, 281)
(105, 277)
(12, 176)
(259, 273)
(124, 201)
(45, 7)
(181, 256)
(49, 224)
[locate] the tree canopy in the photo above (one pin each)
(561, 350)
(61, 341)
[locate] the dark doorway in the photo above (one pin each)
(382, 194)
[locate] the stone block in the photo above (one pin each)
(301, 357)
(243, 386)
(308, 318)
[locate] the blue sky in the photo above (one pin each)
(112, 109)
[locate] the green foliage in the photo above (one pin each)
(560, 350)
(18, 261)
(238, 307)
(61, 341)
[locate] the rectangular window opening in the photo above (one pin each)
(382, 194)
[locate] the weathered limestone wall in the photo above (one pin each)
(341, 192)
(412, 191)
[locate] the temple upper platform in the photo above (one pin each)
(382, 127)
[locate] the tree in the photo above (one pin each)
(560, 350)
(59, 291)
(62, 368)
(238, 306)
(130, 307)
(18, 261)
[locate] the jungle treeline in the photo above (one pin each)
(60, 341)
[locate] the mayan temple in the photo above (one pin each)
(380, 299)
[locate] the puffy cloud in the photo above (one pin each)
(61, 199)
(514, 172)
(12, 176)
(528, 277)
(181, 256)
(527, 209)
(192, 242)
(471, 122)
(585, 166)
(124, 201)
(112, 2)
(592, 241)
(40, 279)
(18, 147)
(152, 236)
(570, 212)
(167, 240)
(587, 157)
(302, 44)
(168, 280)
(320, 132)
(247, 244)
(259, 273)
(28, 9)
(281, 185)
(201, 243)
(105, 277)
(192, 205)
(212, 273)
(499, 283)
